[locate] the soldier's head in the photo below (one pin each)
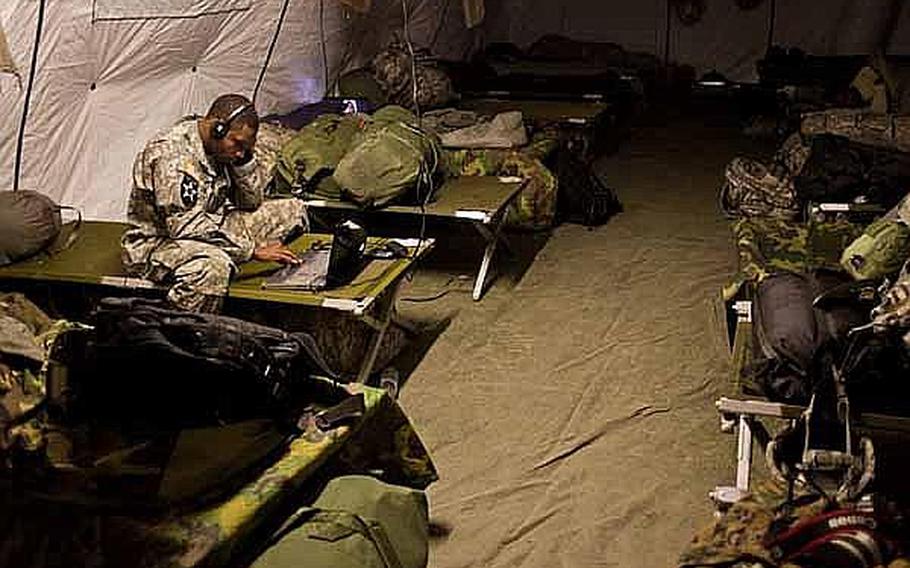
(229, 129)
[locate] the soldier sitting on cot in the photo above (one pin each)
(198, 206)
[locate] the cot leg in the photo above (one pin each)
(385, 312)
(493, 237)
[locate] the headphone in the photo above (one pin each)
(222, 127)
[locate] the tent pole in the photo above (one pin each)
(772, 20)
(28, 96)
(268, 55)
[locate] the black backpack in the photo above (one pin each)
(156, 408)
(583, 198)
(148, 363)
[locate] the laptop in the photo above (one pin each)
(325, 266)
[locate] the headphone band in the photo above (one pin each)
(236, 112)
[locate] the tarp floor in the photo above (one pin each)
(571, 414)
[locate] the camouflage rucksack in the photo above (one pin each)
(881, 250)
(392, 69)
(751, 189)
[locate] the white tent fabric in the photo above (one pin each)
(727, 38)
(103, 87)
(134, 9)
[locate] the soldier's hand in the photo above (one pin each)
(276, 252)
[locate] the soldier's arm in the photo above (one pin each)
(249, 181)
(177, 197)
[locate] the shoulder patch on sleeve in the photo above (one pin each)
(189, 190)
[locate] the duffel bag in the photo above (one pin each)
(356, 522)
(393, 158)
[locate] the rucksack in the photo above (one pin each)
(29, 223)
(306, 161)
(583, 198)
(356, 522)
(393, 158)
(752, 189)
(880, 251)
(392, 69)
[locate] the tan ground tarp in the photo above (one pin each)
(572, 418)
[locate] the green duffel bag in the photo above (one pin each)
(356, 522)
(391, 159)
(308, 159)
(881, 250)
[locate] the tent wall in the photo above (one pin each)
(102, 87)
(727, 38)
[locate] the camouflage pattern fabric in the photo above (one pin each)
(43, 536)
(766, 245)
(392, 70)
(269, 141)
(900, 212)
(734, 539)
(178, 193)
(752, 189)
(894, 309)
(188, 213)
(448, 119)
(793, 154)
(198, 273)
(21, 391)
(343, 339)
(883, 130)
(535, 207)
(26, 334)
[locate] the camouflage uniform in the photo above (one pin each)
(535, 207)
(768, 245)
(196, 220)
